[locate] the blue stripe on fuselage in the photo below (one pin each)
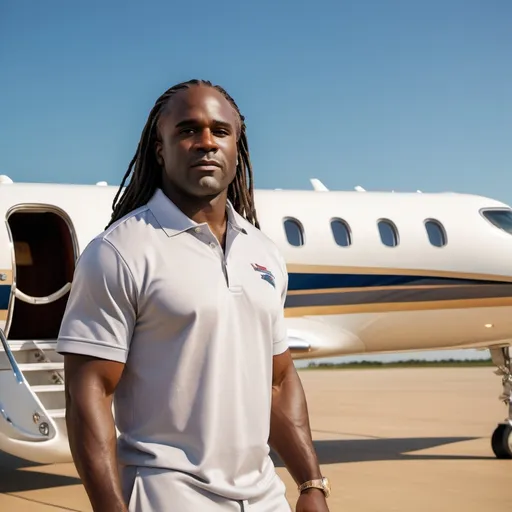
(5, 294)
(303, 281)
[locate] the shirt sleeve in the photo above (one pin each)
(101, 311)
(280, 331)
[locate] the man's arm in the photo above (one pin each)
(95, 338)
(290, 433)
(90, 384)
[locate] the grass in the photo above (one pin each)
(413, 363)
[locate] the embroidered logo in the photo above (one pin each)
(266, 274)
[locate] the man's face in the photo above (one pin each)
(197, 143)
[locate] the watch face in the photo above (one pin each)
(327, 484)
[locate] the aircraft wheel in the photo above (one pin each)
(501, 441)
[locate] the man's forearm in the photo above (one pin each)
(290, 433)
(92, 438)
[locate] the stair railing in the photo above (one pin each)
(21, 411)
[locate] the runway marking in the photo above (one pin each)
(31, 500)
(346, 434)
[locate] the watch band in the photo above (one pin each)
(315, 484)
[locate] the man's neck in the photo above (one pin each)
(211, 210)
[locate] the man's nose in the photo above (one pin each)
(206, 141)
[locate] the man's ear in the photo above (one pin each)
(158, 153)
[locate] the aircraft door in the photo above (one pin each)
(45, 250)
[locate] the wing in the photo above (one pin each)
(310, 338)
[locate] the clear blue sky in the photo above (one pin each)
(386, 94)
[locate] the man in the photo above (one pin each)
(177, 307)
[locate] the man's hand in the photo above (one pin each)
(312, 500)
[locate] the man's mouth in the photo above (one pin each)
(206, 165)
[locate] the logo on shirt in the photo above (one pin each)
(265, 273)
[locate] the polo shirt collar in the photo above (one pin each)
(234, 218)
(173, 221)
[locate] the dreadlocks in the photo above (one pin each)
(146, 172)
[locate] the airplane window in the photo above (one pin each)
(388, 233)
(294, 232)
(500, 218)
(435, 233)
(341, 232)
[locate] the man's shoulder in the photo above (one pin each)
(121, 238)
(264, 240)
(126, 225)
(129, 233)
(255, 232)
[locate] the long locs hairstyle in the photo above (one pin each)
(146, 173)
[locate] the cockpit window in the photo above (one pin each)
(502, 219)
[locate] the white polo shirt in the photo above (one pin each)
(197, 329)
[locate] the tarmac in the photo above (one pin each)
(390, 440)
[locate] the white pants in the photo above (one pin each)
(160, 490)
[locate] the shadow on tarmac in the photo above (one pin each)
(338, 451)
(13, 479)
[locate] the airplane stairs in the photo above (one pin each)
(32, 401)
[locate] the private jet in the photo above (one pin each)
(369, 272)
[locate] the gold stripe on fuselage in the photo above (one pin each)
(335, 269)
(377, 288)
(388, 307)
(7, 282)
(8, 274)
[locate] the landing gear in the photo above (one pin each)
(501, 440)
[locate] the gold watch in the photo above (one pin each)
(322, 483)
